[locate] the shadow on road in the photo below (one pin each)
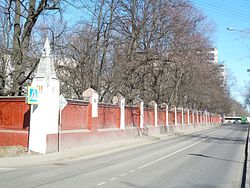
(223, 140)
(128, 184)
(211, 157)
(228, 140)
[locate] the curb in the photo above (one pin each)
(91, 151)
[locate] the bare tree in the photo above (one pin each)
(18, 20)
(153, 50)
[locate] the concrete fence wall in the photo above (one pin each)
(78, 127)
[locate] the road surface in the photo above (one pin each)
(208, 159)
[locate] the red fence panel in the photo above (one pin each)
(171, 118)
(179, 118)
(149, 117)
(161, 117)
(74, 115)
(132, 116)
(14, 138)
(14, 113)
(108, 117)
(191, 118)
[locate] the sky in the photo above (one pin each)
(233, 46)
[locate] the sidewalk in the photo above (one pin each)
(90, 151)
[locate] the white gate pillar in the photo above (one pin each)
(45, 115)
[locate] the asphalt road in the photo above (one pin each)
(212, 158)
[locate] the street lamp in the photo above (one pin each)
(242, 31)
(230, 29)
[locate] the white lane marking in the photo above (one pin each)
(112, 179)
(131, 171)
(7, 169)
(124, 174)
(102, 183)
(178, 151)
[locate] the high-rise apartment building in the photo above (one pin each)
(213, 55)
(223, 71)
(214, 58)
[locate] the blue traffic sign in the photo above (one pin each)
(32, 95)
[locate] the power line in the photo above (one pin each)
(227, 8)
(224, 13)
(222, 10)
(227, 15)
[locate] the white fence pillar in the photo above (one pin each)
(193, 117)
(122, 113)
(197, 117)
(206, 118)
(156, 115)
(141, 114)
(209, 118)
(182, 117)
(175, 116)
(201, 117)
(167, 123)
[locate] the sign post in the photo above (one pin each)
(62, 103)
(32, 99)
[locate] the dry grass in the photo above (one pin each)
(13, 151)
